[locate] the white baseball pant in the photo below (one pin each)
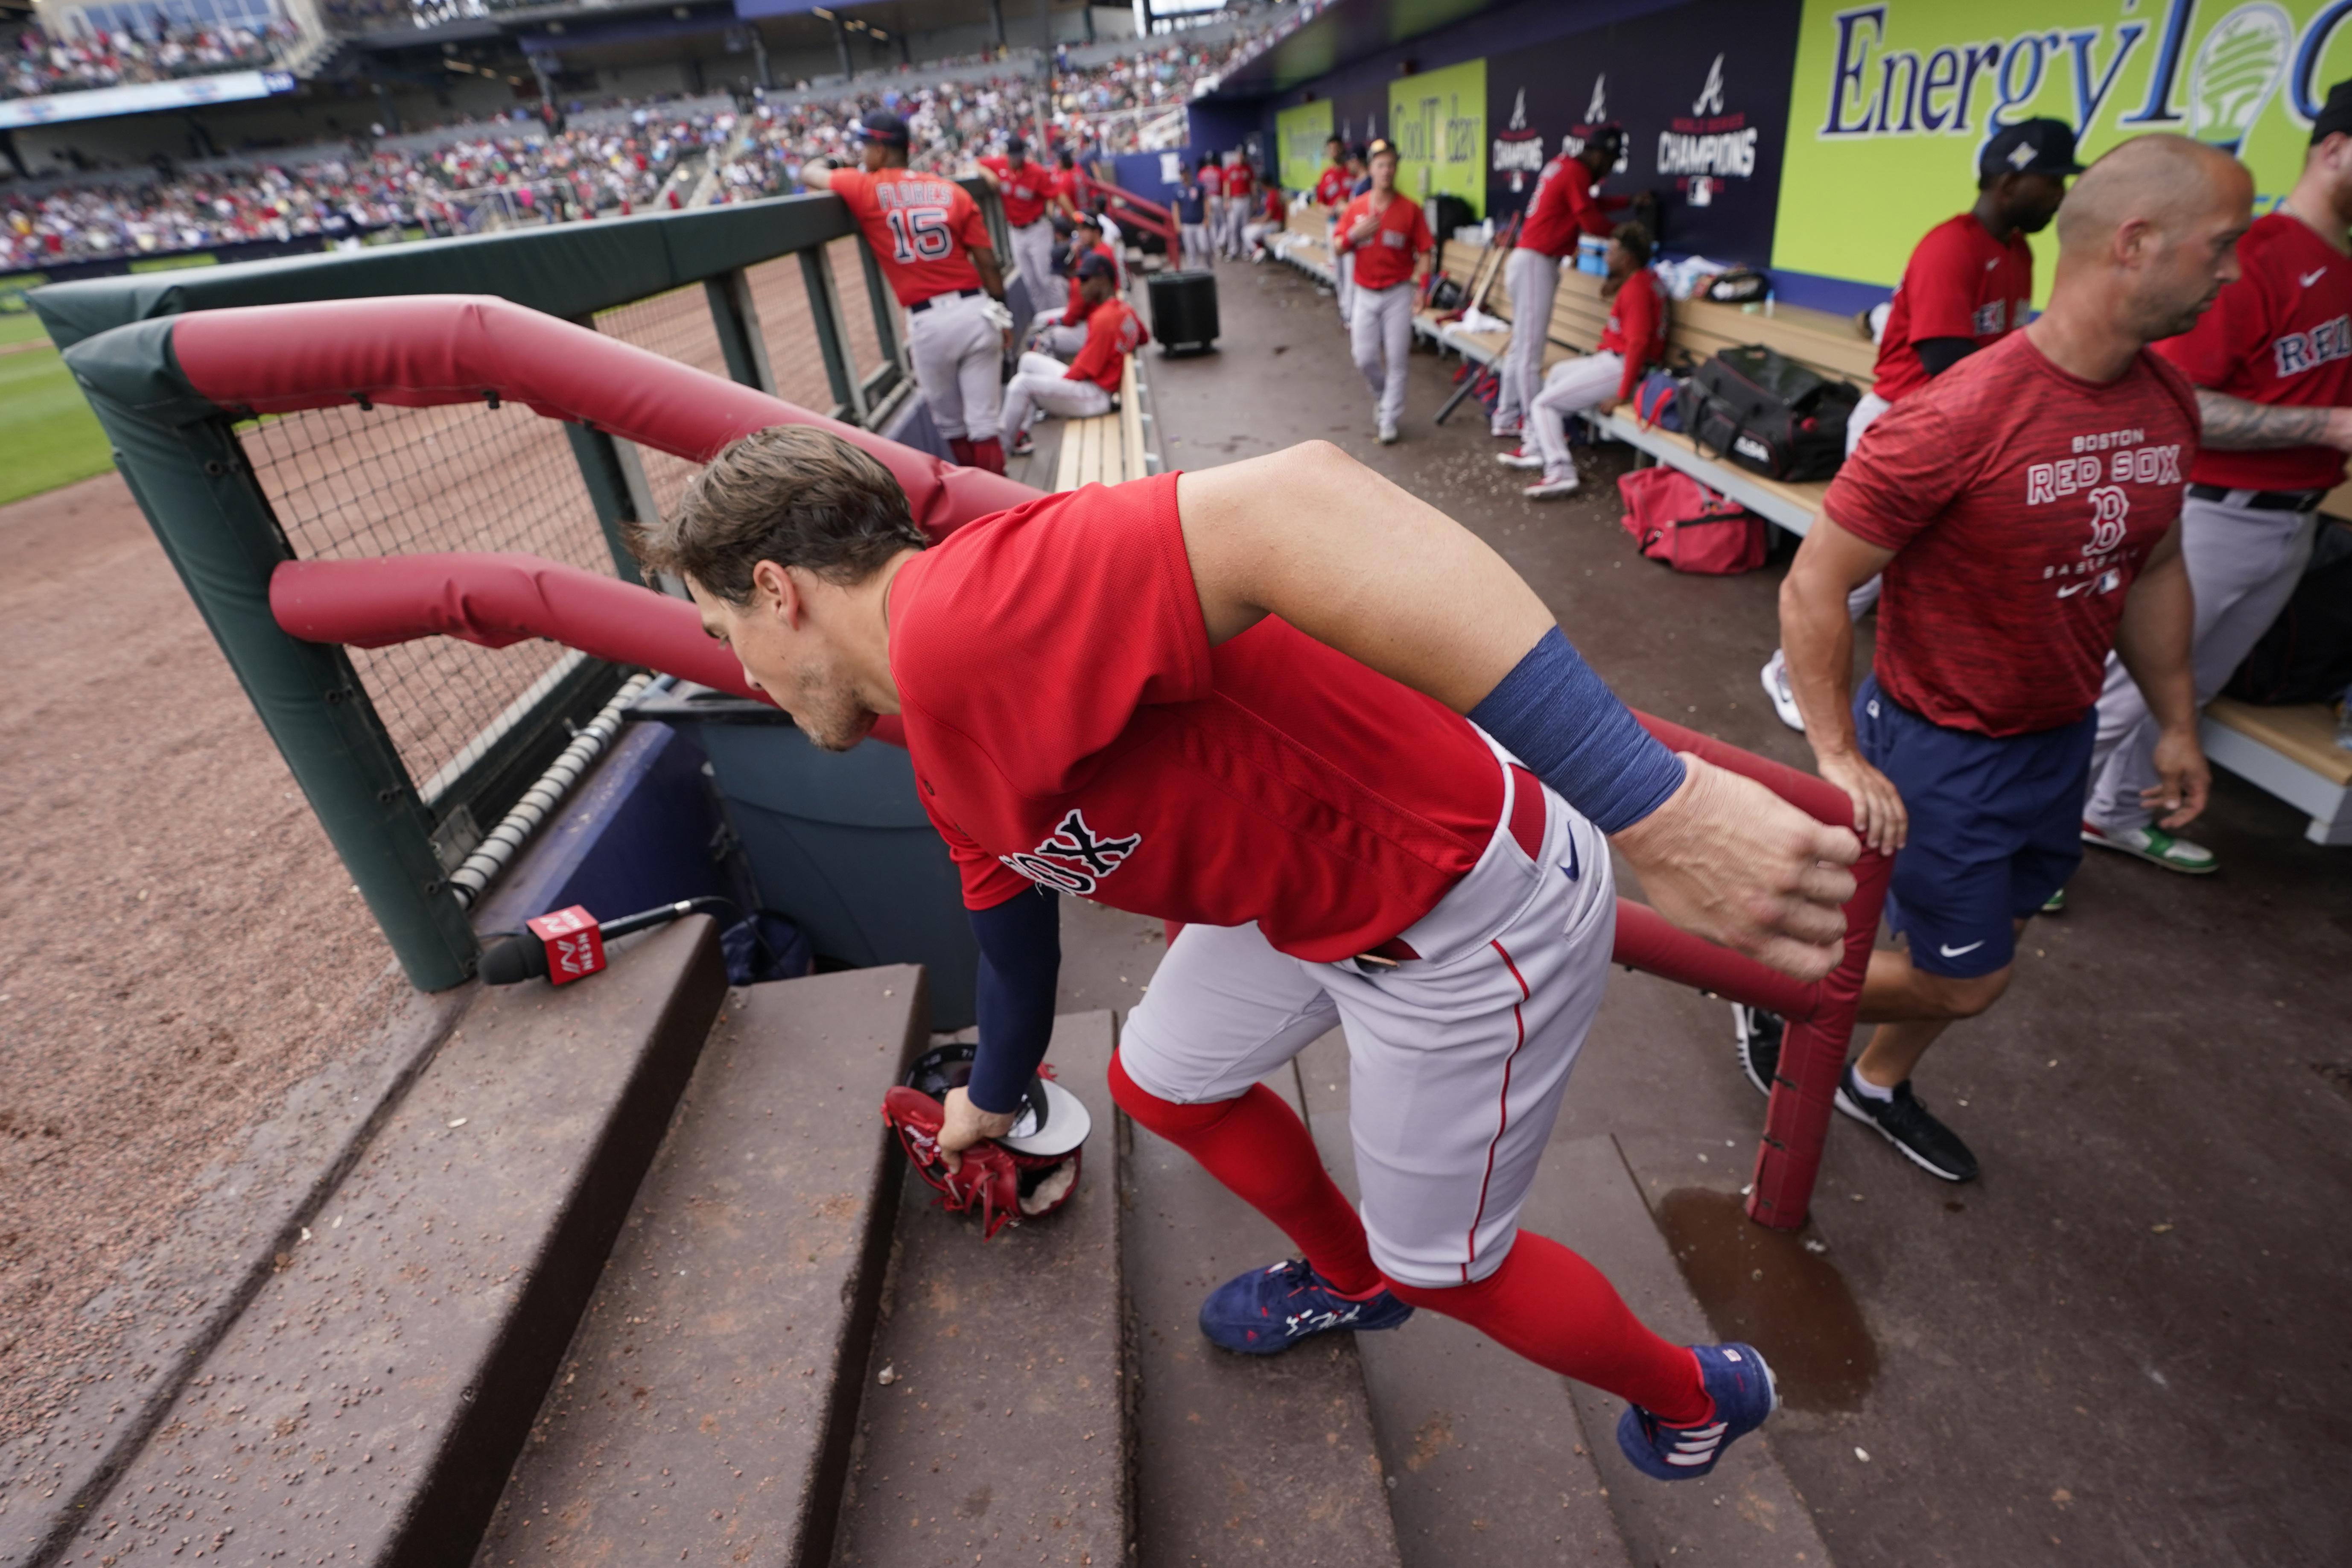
(1379, 335)
(1033, 253)
(1236, 213)
(1193, 244)
(1054, 338)
(1866, 411)
(2244, 565)
(1344, 268)
(1570, 388)
(1457, 1061)
(1531, 278)
(1254, 234)
(959, 358)
(1041, 381)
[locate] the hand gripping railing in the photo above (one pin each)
(1820, 1015)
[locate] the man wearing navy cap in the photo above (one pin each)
(927, 233)
(1969, 285)
(1027, 191)
(1086, 388)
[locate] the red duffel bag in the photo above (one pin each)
(1676, 520)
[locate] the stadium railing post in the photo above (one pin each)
(824, 314)
(738, 322)
(879, 381)
(201, 496)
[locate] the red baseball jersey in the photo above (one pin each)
(2022, 502)
(1113, 332)
(1332, 189)
(1211, 180)
(1565, 205)
(1071, 726)
(2281, 334)
(1064, 186)
(1960, 282)
(1386, 258)
(1076, 311)
(1637, 328)
(1026, 190)
(922, 228)
(1239, 179)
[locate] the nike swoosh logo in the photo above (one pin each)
(2071, 589)
(1955, 951)
(1569, 871)
(2308, 279)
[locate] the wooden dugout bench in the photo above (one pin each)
(1108, 449)
(2290, 751)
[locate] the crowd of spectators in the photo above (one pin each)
(521, 169)
(44, 63)
(447, 188)
(1092, 111)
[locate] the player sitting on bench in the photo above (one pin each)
(1085, 389)
(1635, 339)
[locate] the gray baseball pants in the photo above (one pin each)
(958, 357)
(1379, 335)
(2242, 566)
(1531, 278)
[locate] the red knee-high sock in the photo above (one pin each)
(1257, 1146)
(959, 448)
(1558, 1311)
(989, 454)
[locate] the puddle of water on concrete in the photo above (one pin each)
(1763, 1286)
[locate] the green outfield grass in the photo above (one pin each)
(47, 434)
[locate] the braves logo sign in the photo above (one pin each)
(1074, 857)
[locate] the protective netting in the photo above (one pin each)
(348, 483)
(677, 326)
(788, 325)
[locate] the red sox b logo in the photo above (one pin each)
(1073, 858)
(2109, 507)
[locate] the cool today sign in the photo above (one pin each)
(1891, 101)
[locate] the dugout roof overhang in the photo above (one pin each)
(1350, 31)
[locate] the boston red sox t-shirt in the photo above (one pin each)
(922, 228)
(2022, 502)
(1024, 190)
(1960, 282)
(2281, 334)
(1071, 726)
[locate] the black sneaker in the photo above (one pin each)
(1759, 1034)
(1907, 1124)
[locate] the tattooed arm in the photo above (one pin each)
(2236, 424)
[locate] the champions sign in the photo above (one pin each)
(1892, 98)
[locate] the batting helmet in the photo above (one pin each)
(1030, 1172)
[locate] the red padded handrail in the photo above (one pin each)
(419, 350)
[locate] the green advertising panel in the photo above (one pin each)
(1893, 100)
(1302, 132)
(1438, 120)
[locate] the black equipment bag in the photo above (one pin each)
(2306, 656)
(1183, 310)
(1447, 213)
(1765, 412)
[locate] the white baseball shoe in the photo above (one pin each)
(1387, 435)
(1775, 676)
(1551, 488)
(1520, 458)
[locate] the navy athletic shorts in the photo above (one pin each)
(1996, 828)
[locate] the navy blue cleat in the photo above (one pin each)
(1270, 1310)
(1742, 1386)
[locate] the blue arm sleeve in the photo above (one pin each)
(1555, 715)
(1020, 965)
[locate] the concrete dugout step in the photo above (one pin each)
(1001, 1437)
(366, 1405)
(1239, 1459)
(1487, 1456)
(703, 1410)
(1510, 1458)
